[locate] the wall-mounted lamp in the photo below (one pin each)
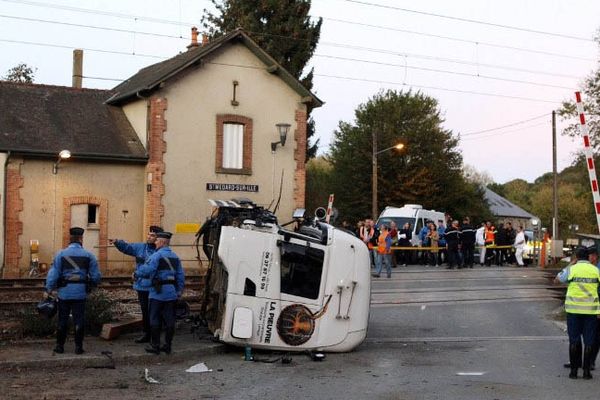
(283, 131)
(63, 155)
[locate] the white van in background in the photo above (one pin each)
(413, 214)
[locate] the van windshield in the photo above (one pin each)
(400, 221)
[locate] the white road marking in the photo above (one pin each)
(470, 373)
(423, 307)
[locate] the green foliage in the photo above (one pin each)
(318, 183)
(591, 104)
(575, 206)
(21, 73)
(427, 171)
(98, 311)
(283, 28)
(33, 324)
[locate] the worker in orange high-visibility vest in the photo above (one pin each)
(490, 240)
(384, 252)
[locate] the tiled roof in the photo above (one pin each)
(501, 207)
(43, 119)
(150, 78)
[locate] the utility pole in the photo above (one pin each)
(554, 181)
(374, 177)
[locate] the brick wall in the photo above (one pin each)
(156, 148)
(14, 226)
(102, 223)
(247, 156)
(300, 157)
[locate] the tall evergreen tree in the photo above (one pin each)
(427, 171)
(282, 28)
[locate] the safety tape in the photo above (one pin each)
(442, 248)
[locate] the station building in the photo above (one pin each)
(221, 120)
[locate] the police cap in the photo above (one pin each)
(164, 235)
(155, 229)
(592, 249)
(581, 253)
(76, 231)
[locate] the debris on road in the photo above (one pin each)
(200, 367)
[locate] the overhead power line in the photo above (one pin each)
(404, 84)
(545, 115)
(99, 12)
(472, 21)
(60, 46)
(505, 133)
(341, 45)
(456, 39)
(105, 28)
(184, 23)
(445, 71)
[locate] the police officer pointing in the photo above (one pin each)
(165, 270)
(141, 252)
(73, 271)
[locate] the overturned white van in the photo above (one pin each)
(273, 288)
(414, 214)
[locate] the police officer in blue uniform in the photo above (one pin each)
(74, 271)
(167, 276)
(141, 252)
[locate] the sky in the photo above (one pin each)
(497, 68)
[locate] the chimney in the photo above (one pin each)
(194, 43)
(77, 68)
(204, 39)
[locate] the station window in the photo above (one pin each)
(301, 270)
(92, 214)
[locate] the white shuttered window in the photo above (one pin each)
(233, 146)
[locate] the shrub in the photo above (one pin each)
(33, 324)
(98, 311)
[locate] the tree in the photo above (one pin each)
(472, 175)
(427, 171)
(282, 28)
(591, 104)
(21, 73)
(318, 183)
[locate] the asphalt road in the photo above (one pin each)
(486, 333)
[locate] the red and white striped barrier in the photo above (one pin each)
(329, 208)
(583, 129)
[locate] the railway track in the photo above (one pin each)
(109, 283)
(18, 295)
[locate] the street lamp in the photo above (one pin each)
(63, 155)
(398, 146)
(283, 131)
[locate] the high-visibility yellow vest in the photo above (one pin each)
(582, 294)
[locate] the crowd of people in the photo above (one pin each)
(448, 242)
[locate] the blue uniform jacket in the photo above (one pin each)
(71, 269)
(423, 233)
(141, 252)
(442, 233)
(166, 266)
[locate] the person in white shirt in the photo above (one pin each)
(480, 241)
(519, 246)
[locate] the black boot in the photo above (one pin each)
(587, 362)
(154, 347)
(79, 333)
(145, 338)
(61, 337)
(170, 332)
(575, 359)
